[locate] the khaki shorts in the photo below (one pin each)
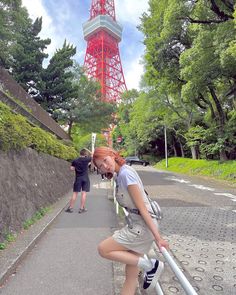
(138, 239)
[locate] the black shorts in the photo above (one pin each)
(82, 183)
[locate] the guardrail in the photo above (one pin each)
(189, 290)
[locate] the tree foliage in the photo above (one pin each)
(27, 57)
(84, 105)
(22, 50)
(190, 64)
(57, 80)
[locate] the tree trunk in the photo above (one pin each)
(218, 107)
(70, 123)
(223, 156)
(175, 151)
(194, 152)
(221, 119)
(182, 149)
(174, 146)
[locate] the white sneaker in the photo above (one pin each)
(151, 277)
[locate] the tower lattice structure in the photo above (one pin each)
(102, 59)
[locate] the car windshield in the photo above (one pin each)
(132, 158)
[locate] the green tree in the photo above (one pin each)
(22, 50)
(123, 122)
(190, 63)
(12, 18)
(28, 55)
(209, 77)
(57, 78)
(84, 107)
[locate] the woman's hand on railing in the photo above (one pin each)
(162, 243)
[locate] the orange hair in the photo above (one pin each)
(102, 152)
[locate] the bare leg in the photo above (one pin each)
(83, 199)
(111, 250)
(73, 199)
(131, 280)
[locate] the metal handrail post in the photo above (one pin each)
(181, 277)
(114, 196)
(158, 289)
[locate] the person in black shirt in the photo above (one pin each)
(82, 182)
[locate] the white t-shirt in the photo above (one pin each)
(128, 176)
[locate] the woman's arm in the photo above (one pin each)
(136, 195)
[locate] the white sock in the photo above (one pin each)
(145, 264)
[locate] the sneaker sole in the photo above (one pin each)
(157, 276)
(82, 211)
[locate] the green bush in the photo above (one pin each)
(17, 133)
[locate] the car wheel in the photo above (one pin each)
(144, 164)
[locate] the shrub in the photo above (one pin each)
(16, 132)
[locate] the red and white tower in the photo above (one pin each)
(102, 60)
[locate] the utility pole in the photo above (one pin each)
(166, 152)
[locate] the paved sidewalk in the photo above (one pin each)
(62, 259)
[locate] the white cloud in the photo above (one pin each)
(36, 9)
(130, 10)
(133, 73)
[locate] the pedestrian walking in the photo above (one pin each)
(129, 244)
(82, 182)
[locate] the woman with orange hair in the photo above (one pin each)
(129, 244)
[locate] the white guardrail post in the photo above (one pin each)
(189, 290)
(113, 183)
(181, 277)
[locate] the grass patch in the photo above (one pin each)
(2, 246)
(38, 215)
(213, 169)
(11, 237)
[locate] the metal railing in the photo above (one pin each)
(189, 290)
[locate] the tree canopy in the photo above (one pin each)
(189, 81)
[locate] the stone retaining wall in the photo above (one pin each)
(28, 181)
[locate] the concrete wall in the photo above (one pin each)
(29, 180)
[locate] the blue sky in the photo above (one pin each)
(63, 20)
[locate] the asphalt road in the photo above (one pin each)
(175, 190)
